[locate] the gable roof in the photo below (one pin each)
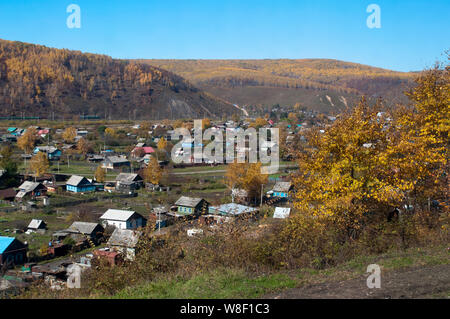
(36, 223)
(118, 214)
(282, 187)
(116, 159)
(5, 242)
(125, 238)
(28, 186)
(83, 227)
(127, 177)
(46, 149)
(76, 180)
(188, 201)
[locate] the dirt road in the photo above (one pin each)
(423, 282)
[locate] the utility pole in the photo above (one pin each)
(262, 190)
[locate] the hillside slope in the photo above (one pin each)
(317, 83)
(40, 81)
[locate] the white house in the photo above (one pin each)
(123, 219)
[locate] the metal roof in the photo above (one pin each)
(281, 212)
(282, 187)
(5, 242)
(75, 180)
(35, 223)
(83, 227)
(234, 209)
(127, 177)
(28, 186)
(117, 214)
(124, 237)
(188, 201)
(116, 159)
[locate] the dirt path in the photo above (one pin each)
(423, 282)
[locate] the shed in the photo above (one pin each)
(125, 241)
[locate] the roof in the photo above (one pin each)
(75, 180)
(35, 223)
(125, 238)
(146, 149)
(116, 159)
(47, 149)
(28, 186)
(83, 227)
(127, 177)
(281, 212)
(5, 242)
(234, 209)
(188, 201)
(282, 187)
(117, 214)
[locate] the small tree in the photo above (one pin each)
(162, 144)
(69, 134)
(83, 146)
(9, 165)
(100, 174)
(153, 172)
(27, 141)
(39, 164)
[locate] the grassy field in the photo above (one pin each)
(232, 283)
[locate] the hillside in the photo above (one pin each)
(52, 83)
(320, 84)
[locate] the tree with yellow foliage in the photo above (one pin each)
(83, 146)
(246, 176)
(69, 134)
(162, 144)
(292, 117)
(376, 161)
(153, 172)
(100, 174)
(340, 174)
(258, 123)
(39, 164)
(28, 140)
(206, 123)
(110, 132)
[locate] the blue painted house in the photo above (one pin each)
(281, 189)
(191, 206)
(52, 152)
(79, 184)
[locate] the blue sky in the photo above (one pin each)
(413, 34)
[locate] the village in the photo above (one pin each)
(89, 192)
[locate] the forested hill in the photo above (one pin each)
(40, 81)
(318, 83)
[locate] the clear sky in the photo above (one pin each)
(413, 34)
